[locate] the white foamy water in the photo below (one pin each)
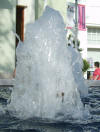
(46, 84)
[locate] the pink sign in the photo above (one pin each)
(81, 17)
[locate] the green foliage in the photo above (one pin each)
(73, 42)
(86, 65)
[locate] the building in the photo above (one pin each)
(15, 15)
(93, 30)
(90, 38)
(71, 24)
(92, 34)
(7, 37)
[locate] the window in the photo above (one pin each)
(93, 36)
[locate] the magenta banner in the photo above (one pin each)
(81, 17)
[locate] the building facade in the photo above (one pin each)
(93, 29)
(7, 37)
(15, 15)
(90, 38)
(93, 32)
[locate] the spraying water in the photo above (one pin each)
(45, 84)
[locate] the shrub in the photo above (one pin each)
(86, 65)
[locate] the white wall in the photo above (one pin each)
(82, 35)
(93, 20)
(7, 37)
(94, 54)
(29, 11)
(93, 12)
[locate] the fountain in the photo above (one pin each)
(47, 73)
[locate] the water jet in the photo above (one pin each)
(46, 74)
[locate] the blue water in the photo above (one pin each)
(12, 124)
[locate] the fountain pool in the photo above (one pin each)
(50, 93)
(13, 124)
